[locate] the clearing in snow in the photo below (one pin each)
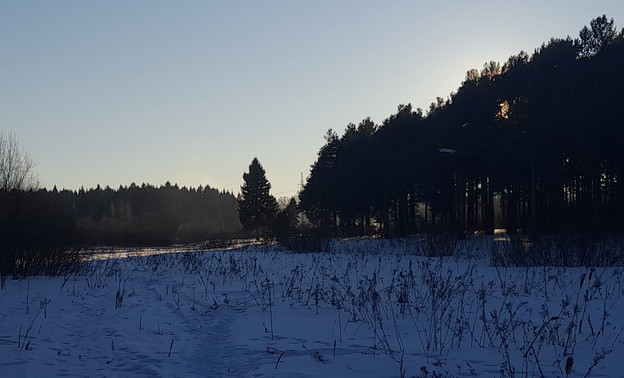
(369, 308)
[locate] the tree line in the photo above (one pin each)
(533, 145)
(150, 215)
(133, 215)
(43, 231)
(40, 221)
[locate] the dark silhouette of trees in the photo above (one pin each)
(286, 220)
(256, 207)
(150, 215)
(131, 215)
(532, 145)
(36, 233)
(355, 178)
(42, 232)
(593, 39)
(320, 197)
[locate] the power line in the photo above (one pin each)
(288, 191)
(299, 187)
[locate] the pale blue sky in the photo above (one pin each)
(115, 92)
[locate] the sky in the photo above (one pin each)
(116, 92)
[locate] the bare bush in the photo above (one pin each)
(36, 238)
(438, 245)
(306, 243)
(16, 166)
(570, 251)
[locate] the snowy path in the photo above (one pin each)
(94, 338)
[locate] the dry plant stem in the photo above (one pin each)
(279, 359)
(545, 285)
(582, 281)
(339, 326)
(597, 359)
(604, 314)
(617, 338)
(538, 333)
(25, 344)
(539, 366)
(27, 295)
(170, 347)
(268, 285)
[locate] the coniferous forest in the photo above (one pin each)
(43, 231)
(34, 223)
(532, 146)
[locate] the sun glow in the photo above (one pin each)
(504, 110)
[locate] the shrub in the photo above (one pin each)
(438, 245)
(569, 251)
(36, 237)
(314, 242)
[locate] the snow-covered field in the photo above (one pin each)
(367, 309)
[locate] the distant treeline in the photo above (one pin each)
(535, 145)
(131, 215)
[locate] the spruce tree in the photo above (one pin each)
(256, 207)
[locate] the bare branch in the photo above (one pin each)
(17, 169)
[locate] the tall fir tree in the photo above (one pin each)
(256, 207)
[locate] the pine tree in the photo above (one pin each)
(256, 207)
(286, 220)
(595, 39)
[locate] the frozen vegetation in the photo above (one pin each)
(366, 308)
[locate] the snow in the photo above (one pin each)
(369, 308)
(445, 150)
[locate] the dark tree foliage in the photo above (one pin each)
(42, 232)
(599, 35)
(149, 215)
(37, 234)
(256, 207)
(136, 215)
(286, 220)
(320, 198)
(533, 146)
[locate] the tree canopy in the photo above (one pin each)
(532, 145)
(256, 207)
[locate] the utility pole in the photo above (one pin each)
(300, 213)
(300, 185)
